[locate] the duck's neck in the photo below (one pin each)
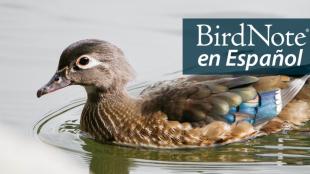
(105, 111)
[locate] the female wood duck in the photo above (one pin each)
(193, 111)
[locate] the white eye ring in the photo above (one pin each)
(86, 62)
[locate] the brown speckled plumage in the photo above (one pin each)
(181, 113)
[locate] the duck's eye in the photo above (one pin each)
(83, 61)
(56, 79)
(86, 62)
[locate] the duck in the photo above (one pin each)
(192, 111)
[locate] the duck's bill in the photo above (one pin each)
(57, 82)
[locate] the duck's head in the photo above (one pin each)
(95, 64)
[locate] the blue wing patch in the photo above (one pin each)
(265, 106)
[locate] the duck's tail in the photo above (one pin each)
(292, 90)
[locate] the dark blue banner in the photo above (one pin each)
(246, 46)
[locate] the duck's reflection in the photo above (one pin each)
(103, 160)
(100, 164)
(121, 160)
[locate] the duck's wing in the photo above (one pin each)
(197, 99)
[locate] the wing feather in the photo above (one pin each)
(197, 99)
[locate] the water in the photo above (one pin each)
(34, 32)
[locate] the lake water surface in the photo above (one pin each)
(34, 32)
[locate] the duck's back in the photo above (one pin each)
(226, 108)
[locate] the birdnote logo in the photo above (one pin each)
(246, 46)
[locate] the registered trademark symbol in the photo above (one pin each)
(307, 29)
